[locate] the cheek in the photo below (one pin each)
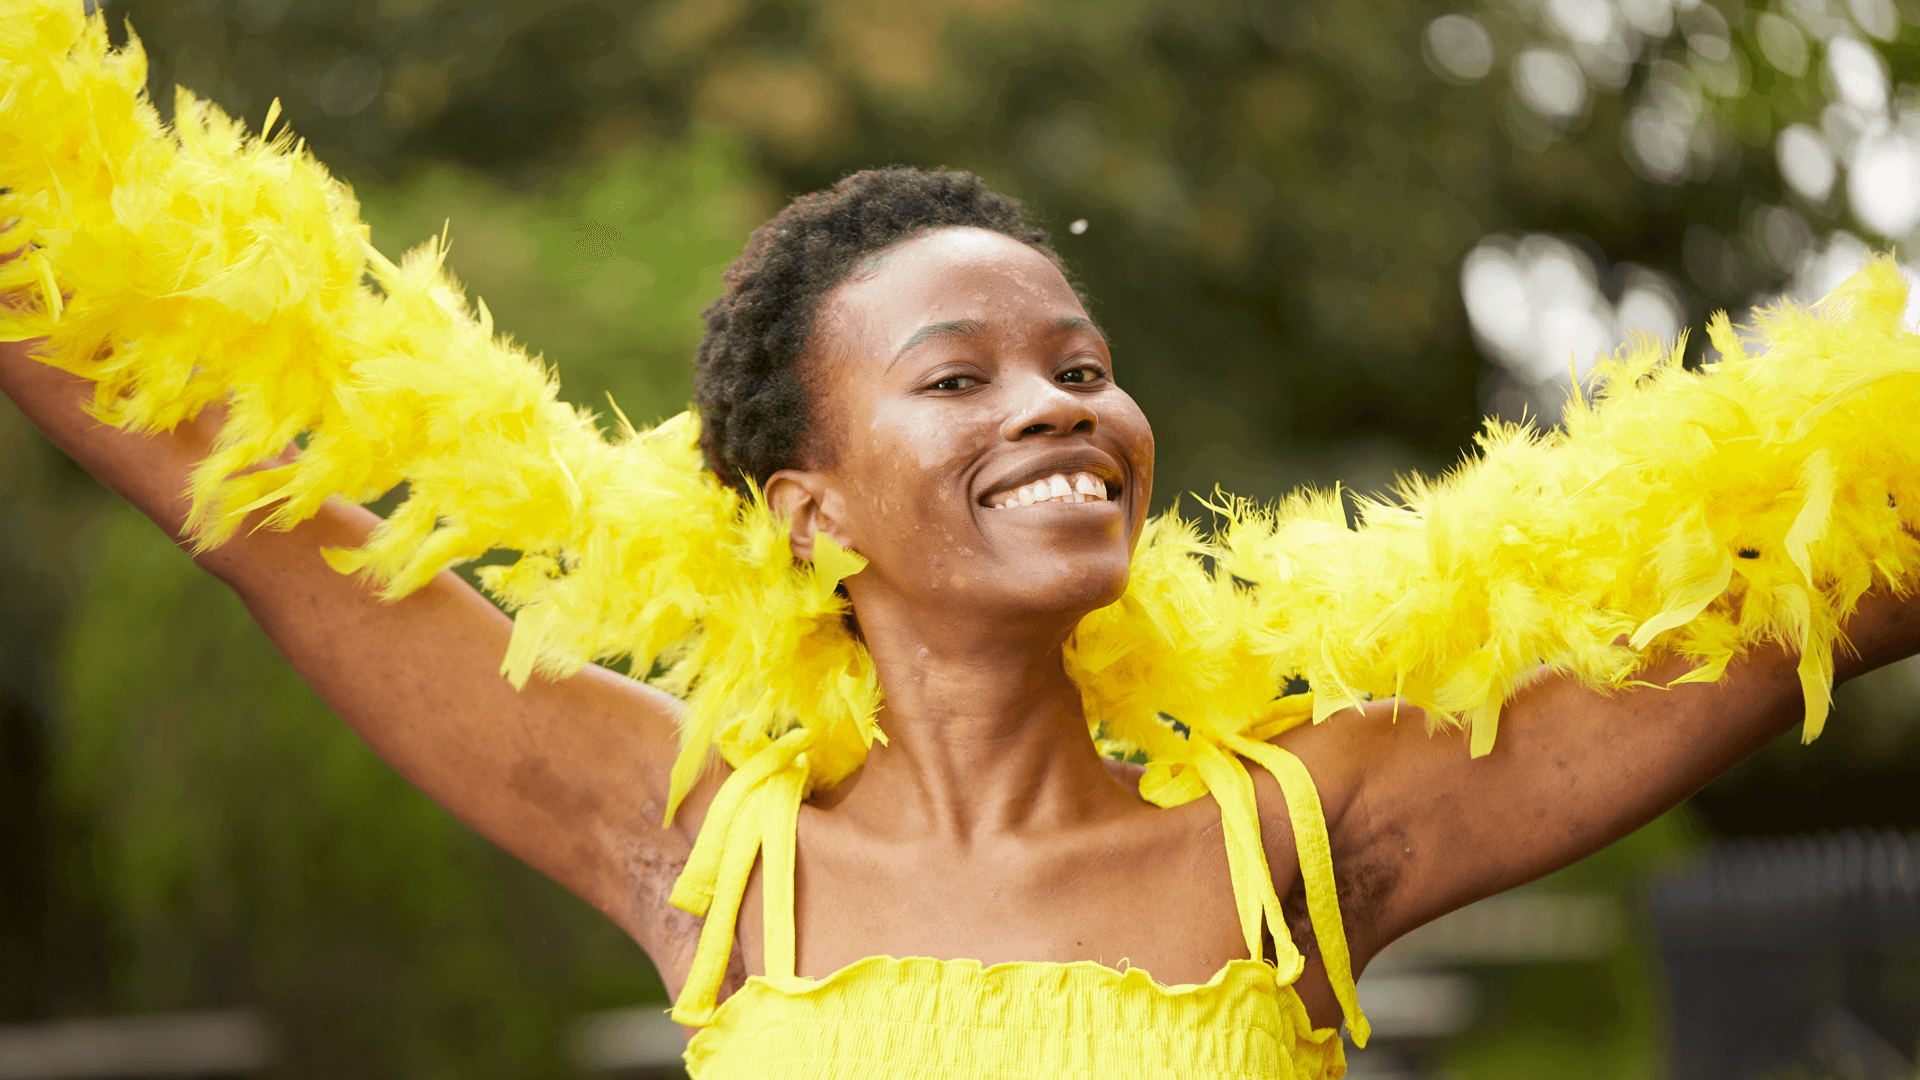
(907, 478)
(1129, 427)
(938, 443)
(923, 529)
(921, 455)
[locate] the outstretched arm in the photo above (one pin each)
(190, 271)
(570, 775)
(1425, 829)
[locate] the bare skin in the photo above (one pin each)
(988, 827)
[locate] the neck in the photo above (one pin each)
(985, 731)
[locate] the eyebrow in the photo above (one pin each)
(966, 327)
(1075, 322)
(936, 332)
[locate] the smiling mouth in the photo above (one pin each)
(1078, 487)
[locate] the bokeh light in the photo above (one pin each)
(1540, 308)
(1781, 42)
(1551, 83)
(1709, 89)
(1806, 163)
(1883, 184)
(1857, 74)
(1458, 49)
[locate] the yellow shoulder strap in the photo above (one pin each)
(1316, 870)
(738, 848)
(779, 819)
(693, 891)
(761, 798)
(1226, 778)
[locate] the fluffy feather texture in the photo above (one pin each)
(1690, 513)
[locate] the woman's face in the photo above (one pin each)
(982, 457)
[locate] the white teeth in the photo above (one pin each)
(1080, 487)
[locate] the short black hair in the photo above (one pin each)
(748, 384)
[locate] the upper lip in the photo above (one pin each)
(1064, 463)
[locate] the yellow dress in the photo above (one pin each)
(926, 1019)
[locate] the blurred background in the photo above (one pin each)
(1325, 238)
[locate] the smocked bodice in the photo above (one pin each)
(929, 1019)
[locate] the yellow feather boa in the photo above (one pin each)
(1690, 513)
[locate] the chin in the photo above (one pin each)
(1069, 587)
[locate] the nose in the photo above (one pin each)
(1051, 409)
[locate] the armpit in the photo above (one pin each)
(1362, 882)
(668, 934)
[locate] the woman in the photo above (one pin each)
(904, 369)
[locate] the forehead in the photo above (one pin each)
(948, 275)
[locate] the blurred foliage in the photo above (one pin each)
(1279, 197)
(1788, 132)
(604, 270)
(53, 953)
(1709, 92)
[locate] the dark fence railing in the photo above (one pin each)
(1795, 956)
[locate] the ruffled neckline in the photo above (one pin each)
(1113, 978)
(1116, 976)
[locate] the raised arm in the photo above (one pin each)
(190, 271)
(570, 775)
(1427, 829)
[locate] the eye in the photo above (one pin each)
(1085, 373)
(956, 382)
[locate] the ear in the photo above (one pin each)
(810, 504)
